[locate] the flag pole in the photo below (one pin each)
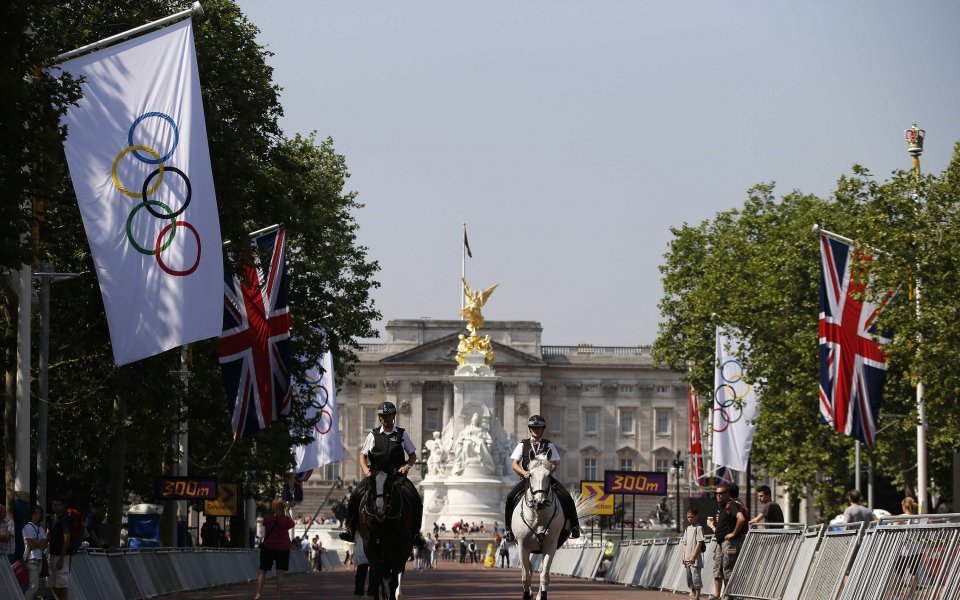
(463, 266)
(196, 9)
(914, 137)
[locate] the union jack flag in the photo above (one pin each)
(254, 347)
(853, 366)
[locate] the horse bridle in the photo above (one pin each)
(394, 491)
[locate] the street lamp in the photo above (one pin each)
(677, 471)
(424, 455)
(914, 137)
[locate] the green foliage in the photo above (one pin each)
(757, 269)
(261, 176)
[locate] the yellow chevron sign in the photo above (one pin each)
(594, 489)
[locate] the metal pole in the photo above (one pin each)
(47, 277)
(44, 387)
(463, 267)
(193, 10)
(914, 137)
(856, 477)
(21, 485)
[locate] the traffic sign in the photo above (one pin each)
(594, 489)
(637, 483)
(186, 488)
(226, 504)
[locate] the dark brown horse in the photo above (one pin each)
(387, 528)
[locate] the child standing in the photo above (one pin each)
(691, 546)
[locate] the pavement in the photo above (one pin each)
(448, 580)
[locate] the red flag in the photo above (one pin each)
(696, 447)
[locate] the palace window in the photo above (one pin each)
(590, 469)
(432, 421)
(626, 421)
(663, 418)
(626, 464)
(591, 421)
(369, 418)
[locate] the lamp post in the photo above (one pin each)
(424, 455)
(914, 137)
(677, 472)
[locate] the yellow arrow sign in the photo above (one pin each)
(226, 504)
(594, 489)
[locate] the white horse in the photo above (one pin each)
(538, 522)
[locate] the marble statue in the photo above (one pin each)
(437, 461)
(474, 447)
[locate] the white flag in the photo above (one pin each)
(137, 151)
(735, 406)
(326, 446)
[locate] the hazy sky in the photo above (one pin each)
(570, 136)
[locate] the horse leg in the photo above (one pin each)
(545, 572)
(526, 572)
(399, 582)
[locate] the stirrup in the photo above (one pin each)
(347, 535)
(509, 536)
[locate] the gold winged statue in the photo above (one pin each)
(471, 312)
(475, 301)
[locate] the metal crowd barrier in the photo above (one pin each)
(9, 586)
(624, 563)
(144, 573)
(765, 561)
(908, 557)
(829, 565)
(588, 561)
(801, 565)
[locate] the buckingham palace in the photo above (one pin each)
(606, 407)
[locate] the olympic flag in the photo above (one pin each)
(138, 157)
(735, 406)
(326, 446)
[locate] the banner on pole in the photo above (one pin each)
(735, 405)
(322, 391)
(137, 152)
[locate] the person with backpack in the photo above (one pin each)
(62, 546)
(693, 546)
(729, 528)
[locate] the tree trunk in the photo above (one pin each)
(11, 308)
(118, 462)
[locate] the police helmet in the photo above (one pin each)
(387, 408)
(536, 421)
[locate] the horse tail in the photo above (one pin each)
(587, 506)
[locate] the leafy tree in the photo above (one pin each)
(757, 269)
(114, 427)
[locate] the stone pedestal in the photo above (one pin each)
(473, 485)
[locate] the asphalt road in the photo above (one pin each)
(449, 580)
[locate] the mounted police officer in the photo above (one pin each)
(525, 451)
(384, 450)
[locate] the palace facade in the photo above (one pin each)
(606, 407)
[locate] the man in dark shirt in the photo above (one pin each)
(729, 527)
(59, 537)
(93, 522)
(770, 511)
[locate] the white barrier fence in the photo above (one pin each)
(143, 573)
(896, 558)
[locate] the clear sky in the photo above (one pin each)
(570, 136)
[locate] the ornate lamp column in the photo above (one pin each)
(914, 137)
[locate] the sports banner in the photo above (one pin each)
(326, 446)
(137, 151)
(735, 406)
(696, 444)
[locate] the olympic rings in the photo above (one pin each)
(160, 262)
(158, 159)
(329, 425)
(726, 418)
(116, 161)
(186, 202)
(134, 243)
(163, 239)
(725, 399)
